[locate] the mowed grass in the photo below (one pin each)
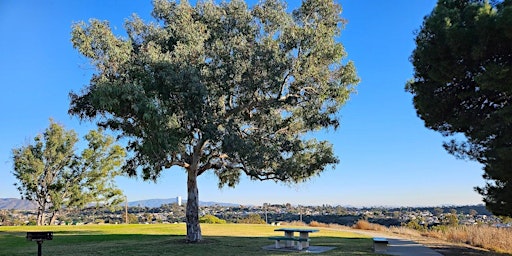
(169, 239)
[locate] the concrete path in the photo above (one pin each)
(399, 246)
(396, 246)
(404, 247)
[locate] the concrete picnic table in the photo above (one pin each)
(303, 234)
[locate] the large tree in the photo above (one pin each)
(220, 87)
(463, 86)
(52, 174)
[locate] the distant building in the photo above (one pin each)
(178, 200)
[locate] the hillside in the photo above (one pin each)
(151, 203)
(16, 204)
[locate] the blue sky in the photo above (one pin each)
(388, 157)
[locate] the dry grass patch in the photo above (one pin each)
(294, 223)
(491, 238)
(405, 231)
(317, 224)
(365, 225)
(486, 237)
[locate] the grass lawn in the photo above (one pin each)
(168, 239)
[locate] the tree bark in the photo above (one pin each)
(53, 218)
(40, 216)
(193, 227)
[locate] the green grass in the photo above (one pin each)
(168, 239)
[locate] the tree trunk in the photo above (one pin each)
(40, 216)
(53, 218)
(193, 228)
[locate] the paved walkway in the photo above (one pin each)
(396, 246)
(399, 246)
(404, 247)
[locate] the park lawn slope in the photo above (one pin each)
(168, 239)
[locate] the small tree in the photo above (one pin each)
(452, 220)
(438, 211)
(50, 173)
(220, 87)
(211, 219)
(416, 224)
(133, 219)
(252, 218)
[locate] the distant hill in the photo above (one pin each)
(17, 204)
(151, 203)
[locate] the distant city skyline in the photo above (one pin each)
(387, 156)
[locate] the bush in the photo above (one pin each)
(439, 228)
(211, 219)
(252, 219)
(318, 224)
(365, 225)
(414, 224)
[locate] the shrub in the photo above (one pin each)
(252, 219)
(318, 224)
(365, 225)
(414, 224)
(211, 219)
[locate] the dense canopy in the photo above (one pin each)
(52, 174)
(463, 85)
(220, 87)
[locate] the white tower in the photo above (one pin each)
(178, 200)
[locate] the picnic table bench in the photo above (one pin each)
(286, 238)
(302, 240)
(380, 244)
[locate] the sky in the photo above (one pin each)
(387, 156)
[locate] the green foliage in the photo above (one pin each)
(462, 85)
(506, 220)
(50, 173)
(438, 211)
(132, 218)
(440, 228)
(415, 224)
(252, 218)
(211, 219)
(31, 222)
(452, 220)
(220, 87)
